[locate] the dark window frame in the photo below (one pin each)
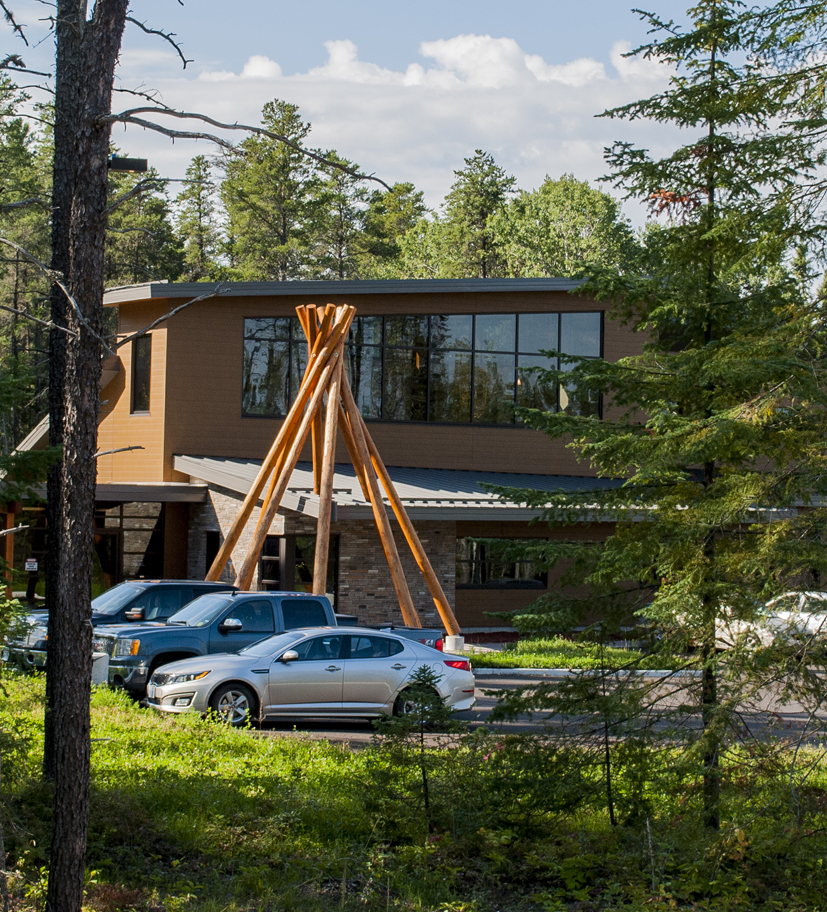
(296, 337)
(141, 361)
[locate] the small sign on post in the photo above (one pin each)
(31, 565)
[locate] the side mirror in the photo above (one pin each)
(290, 656)
(229, 624)
(135, 614)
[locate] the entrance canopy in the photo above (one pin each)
(428, 494)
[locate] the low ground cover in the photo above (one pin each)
(558, 652)
(190, 815)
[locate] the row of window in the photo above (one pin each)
(456, 368)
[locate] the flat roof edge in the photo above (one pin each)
(158, 290)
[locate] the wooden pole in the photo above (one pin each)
(316, 430)
(323, 352)
(326, 488)
(245, 574)
(437, 593)
(350, 443)
(383, 526)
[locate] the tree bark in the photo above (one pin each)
(87, 52)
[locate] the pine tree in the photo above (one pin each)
(480, 191)
(268, 192)
(337, 223)
(717, 429)
(141, 244)
(196, 223)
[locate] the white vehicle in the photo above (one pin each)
(794, 616)
(313, 672)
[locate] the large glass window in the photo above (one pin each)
(479, 566)
(449, 368)
(141, 373)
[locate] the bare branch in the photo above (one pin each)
(57, 278)
(14, 62)
(22, 204)
(10, 19)
(147, 96)
(126, 449)
(167, 36)
(215, 293)
(15, 529)
(48, 323)
(146, 184)
(128, 117)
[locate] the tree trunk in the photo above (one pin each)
(87, 52)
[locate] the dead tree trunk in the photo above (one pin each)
(87, 52)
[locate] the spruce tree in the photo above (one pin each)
(715, 433)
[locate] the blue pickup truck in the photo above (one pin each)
(216, 623)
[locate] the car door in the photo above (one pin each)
(313, 682)
(257, 621)
(375, 670)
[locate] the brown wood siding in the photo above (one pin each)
(119, 428)
(203, 371)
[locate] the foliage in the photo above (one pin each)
(563, 228)
(559, 652)
(480, 191)
(268, 192)
(191, 815)
(141, 242)
(717, 428)
(197, 222)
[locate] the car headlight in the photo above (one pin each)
(127, 647)
(186, 678)
(161, 678)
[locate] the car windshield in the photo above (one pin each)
(815, 604)
(202, 611)
(271, 645)
(111, 601)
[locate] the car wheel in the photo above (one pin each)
(233, 704)
(404, 704)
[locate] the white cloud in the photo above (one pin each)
(535, 116)
(260, 67)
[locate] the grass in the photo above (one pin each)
(189, 815)
(557, 652)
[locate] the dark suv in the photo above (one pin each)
(137, 600)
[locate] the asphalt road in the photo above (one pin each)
(764, 719)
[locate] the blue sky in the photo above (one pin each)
(405, 90)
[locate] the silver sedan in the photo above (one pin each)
(317, 671)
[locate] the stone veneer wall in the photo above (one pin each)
(365, 586)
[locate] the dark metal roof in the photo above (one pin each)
(446, 494)
(153, 290)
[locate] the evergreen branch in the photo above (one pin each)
(128, 117)
(47, 323)
(146, 184)
(167, 36)
(9, 17)
(57, 279)
(215, 293)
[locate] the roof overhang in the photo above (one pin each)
(150, 291)
(427, 494)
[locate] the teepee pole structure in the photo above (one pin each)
(326, 331)
(322, 352)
